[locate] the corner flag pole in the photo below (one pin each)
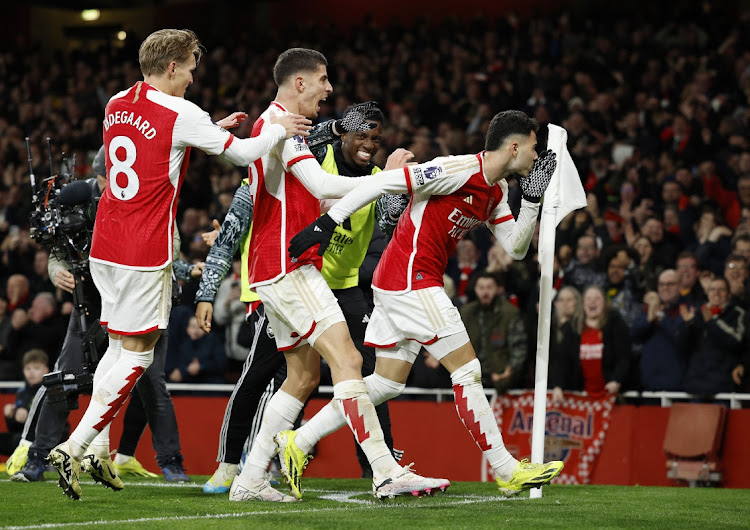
(546, 259)
(564, 194)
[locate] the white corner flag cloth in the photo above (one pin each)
(565, 190)
(563, 195)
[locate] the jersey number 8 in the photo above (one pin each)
(124, 167)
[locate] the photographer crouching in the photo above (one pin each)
(85, 341)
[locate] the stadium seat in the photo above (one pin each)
(693, 441)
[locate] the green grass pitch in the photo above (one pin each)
(330, 503)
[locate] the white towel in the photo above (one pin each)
(565, 190)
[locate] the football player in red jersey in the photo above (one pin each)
(149, 130)
(450, 196)
(287, 185)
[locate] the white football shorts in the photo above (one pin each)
(401, 324)
(300, 307)
(133, 302)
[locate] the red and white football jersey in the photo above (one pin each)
(450, 196)
(147, 140)
(282, 206)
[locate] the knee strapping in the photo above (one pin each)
(351, 388)
(142, 359)
(381, 389)
(470, 373)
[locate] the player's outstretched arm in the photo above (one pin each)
(245, 151)
(233, 120)
(321, 230)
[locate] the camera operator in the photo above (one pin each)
(152, 389)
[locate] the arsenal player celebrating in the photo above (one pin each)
(287, 185)
(450, 196)
(149, 130)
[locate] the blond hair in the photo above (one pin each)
(167, 45)
(576, 319)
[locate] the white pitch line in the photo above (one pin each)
(469, 499)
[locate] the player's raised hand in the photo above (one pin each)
(534, 185)
(399, 158)
(232, 121)
(319, 231)
(355, 119)
(295, 124)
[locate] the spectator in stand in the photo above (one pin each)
(585, 269)
(40, 280)
(594, 357)
(7, 357)
(718, 335)
(680, 139)
(691, 290)
(463, 267)
(648, 269)
(623, 292)
(741, 246)
(497, 332)
(17, 251)
(567, 310)
(35, 365)
(41, 327)
(662, 331)
(727, 200)
(200, 358)
(17, 292)
(229, 311)
(736, 274)
(712, 240)
(666, 245)
(738, 201)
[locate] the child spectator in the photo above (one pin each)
(35, 365)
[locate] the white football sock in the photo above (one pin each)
(121, 459)
(100, 445)
(351, 398)
(477, 416)
(329, 419)
(108, 397)
(280, 413)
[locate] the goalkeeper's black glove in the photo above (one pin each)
(319, 231)
(355, 119)
(534, 185)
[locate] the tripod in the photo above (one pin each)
(63, 388)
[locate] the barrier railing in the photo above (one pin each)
(666, 398)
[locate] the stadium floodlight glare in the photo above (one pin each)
(122, 35)
(90, 14)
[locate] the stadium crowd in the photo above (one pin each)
(657, 113)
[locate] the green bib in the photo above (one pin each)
(345, 254)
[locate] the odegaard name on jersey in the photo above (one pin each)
(128, 118)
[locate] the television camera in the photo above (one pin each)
(62, 221)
